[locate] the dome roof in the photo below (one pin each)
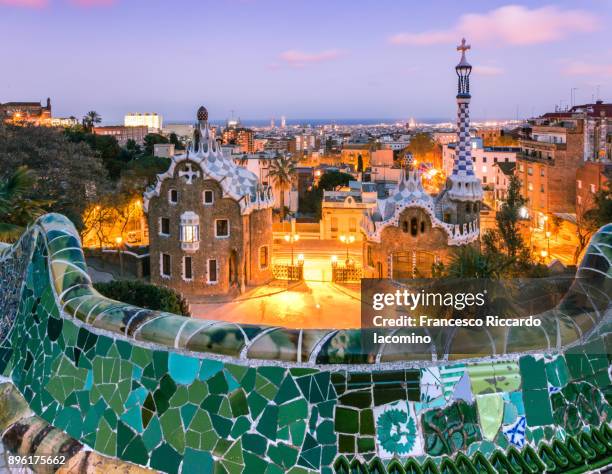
(202, 113)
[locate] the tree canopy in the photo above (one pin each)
(420, 145)
(17, 209)
(70, 174)
(152, 139)
(330, 180)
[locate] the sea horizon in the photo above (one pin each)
(336, 121)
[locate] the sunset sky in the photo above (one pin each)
(303, 59)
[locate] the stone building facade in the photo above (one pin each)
(34, 113)
(210, 222)
(557, 145)
(410, 231)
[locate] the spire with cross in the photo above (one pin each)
(463, 70)
(465, 185)
(463, 47)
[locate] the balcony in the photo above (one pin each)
(534, 158)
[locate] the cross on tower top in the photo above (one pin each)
(463, 47)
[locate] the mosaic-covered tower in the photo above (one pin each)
(460, 200)
(408, 232)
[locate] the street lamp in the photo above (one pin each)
(348, 240)
(118, 242)
(292, 238)
(544, 254)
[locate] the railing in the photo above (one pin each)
(347, 273)
(288, 271)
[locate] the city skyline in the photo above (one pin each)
(266, 59)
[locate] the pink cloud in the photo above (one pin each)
(510, 25)
(25, 3)
(296, 58)
(488, 70)
(582, 68)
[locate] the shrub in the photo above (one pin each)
(144, 295)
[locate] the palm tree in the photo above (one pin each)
(468, 262)
(90, 119)
(17, 210)
(281, 172)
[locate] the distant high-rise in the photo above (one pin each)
(152, 120)
(283, 122)
(239, 136)
(272, 123)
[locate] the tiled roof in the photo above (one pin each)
(237, 182)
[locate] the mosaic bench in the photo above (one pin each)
(176, 394)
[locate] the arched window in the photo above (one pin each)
(468, 207)
(422, 227)
(189, 231)
(413, 227)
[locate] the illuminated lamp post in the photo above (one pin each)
(119, 242)
(348, 240)
(292, 238)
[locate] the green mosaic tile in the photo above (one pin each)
(254, 443)
(537, 407)
(292, 411)
(273, 374)
(165, 459)
(152, 435)
(268, 422)
(287, 391)
(256, 404)
(533, 373)
(283, 455)
(180, 397)
(365, 445)
(557, 372)
(346, 444)
(197, 461)
(254, 463)
(172, 429)
(241, 426)
(325, 432)
(346, 420)
(106, 439)
(221, 425)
